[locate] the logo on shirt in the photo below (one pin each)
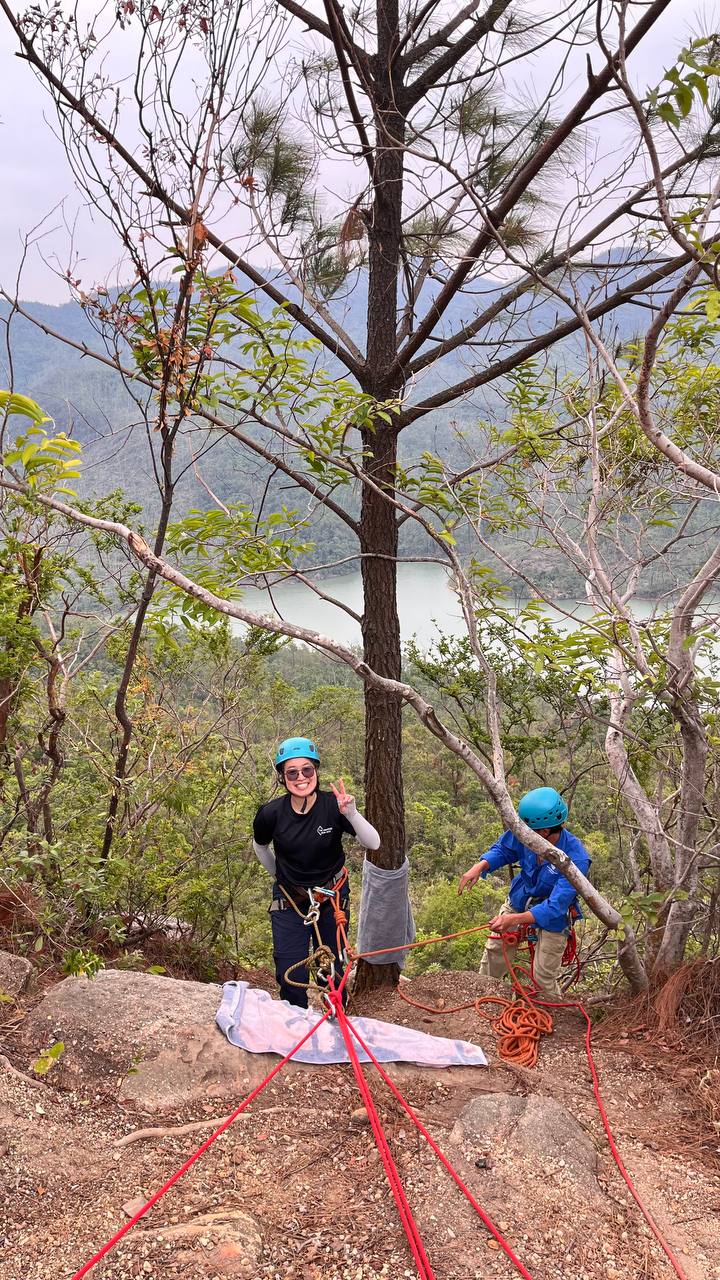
(324, 831)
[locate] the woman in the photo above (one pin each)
(305, 828)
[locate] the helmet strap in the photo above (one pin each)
(311, 793)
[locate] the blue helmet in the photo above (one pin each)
(293, 748)
(543, 808)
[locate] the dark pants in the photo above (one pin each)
(291, 943)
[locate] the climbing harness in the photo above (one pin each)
(320, 960)
(529, 1021)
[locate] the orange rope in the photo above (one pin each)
(425, 942)
(520, 1025)
(519, 1028)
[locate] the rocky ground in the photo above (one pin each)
(295, 1188)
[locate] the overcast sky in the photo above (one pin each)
(35, 175)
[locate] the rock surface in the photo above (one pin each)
(312, 1179)
(152, 1042)
(224, 1242)
(144, 1039)
(15, 973)
(536, 1127)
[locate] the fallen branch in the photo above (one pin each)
(494, 785)
(173, 1131)
(7, 1064)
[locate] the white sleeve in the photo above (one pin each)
(265, 855)
(364, 830)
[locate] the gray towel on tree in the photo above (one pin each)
(385, 918)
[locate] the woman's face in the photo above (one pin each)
(300, 776)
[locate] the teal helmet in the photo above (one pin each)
(293, 749)
(543, 808)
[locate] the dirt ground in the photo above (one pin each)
(307, 1171)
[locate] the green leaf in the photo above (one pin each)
(10, 402)
(48, 1058)
(667, 113)
(712, 304)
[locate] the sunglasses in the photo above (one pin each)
(307, 771)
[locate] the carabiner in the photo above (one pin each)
(313, 914)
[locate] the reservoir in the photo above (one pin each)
(427, 605)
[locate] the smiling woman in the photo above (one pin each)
(307, 862)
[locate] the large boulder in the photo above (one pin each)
(148, 1040)
(535, 1130)
(152, 1042)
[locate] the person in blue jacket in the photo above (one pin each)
(540, 896)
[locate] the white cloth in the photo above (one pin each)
(385, 918)
(252, 1020)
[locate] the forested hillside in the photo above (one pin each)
(381, 302)
(98, 406)
(426, 295)
(207, 712)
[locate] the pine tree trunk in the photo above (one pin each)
(381, 643)
(379, 531)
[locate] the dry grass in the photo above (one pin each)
(683, 1014)
(687, 1007)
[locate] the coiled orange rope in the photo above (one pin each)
(519, 1028)
(520, 1024)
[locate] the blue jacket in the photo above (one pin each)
(540, 880)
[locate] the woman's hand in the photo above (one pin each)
(345, 801)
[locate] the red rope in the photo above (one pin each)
(443, 1159)
(517, 1039)
(422, 1262)
(208, 1143)
(533, 1000)
(666, 1248)
(425, 1271)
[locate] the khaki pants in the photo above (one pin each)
(548, 958)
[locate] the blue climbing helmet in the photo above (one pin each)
(293, 749)
(543, 808)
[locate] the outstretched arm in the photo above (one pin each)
(364, 830)
(500, 854)
(470, 878)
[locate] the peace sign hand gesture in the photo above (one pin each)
(344, 800)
